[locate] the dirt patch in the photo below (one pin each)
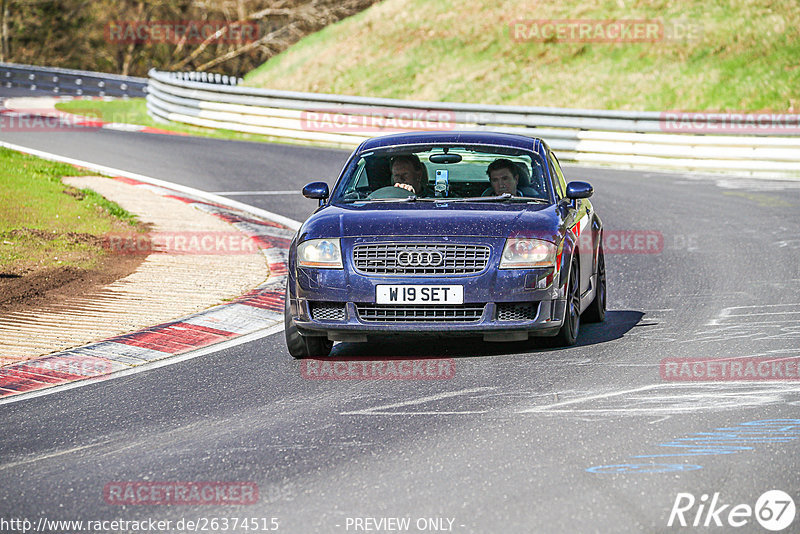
(75, 193)
(26, 285)
(73, 238)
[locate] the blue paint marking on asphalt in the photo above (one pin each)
(725, 440)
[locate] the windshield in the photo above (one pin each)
(445, 173)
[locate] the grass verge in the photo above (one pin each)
(46, 224)
(723, 55)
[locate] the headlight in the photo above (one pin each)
(320, 253)
(527, 254)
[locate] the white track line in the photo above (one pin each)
(560, 404)
(375, 410)
(253, 193)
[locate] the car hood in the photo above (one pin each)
(433, 219)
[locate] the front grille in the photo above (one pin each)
(409, 313)
(382, 258)
(327, 311)
(516, 311)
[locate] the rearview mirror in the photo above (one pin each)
(444, 158)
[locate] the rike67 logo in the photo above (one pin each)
(774, 510)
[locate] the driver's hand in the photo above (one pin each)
(408, 187)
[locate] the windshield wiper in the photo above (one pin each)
(409, 198)
(504, 196)
(500, 198)
(414, 198)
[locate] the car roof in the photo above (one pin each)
(448, 137)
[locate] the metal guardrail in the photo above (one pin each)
(71, 82)
(206, 77)
(618, 138)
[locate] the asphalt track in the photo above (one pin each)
(522, 439)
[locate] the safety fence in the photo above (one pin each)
(70, 82)
(756, 144)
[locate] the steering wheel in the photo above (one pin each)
(390, 192)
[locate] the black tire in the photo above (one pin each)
(301, 346)
(568, 334)
(596, 312)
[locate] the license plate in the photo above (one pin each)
(419, 294)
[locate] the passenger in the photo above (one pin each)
(408, 172)
(503, 177)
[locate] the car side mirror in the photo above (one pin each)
(316, 190)
(576, 190)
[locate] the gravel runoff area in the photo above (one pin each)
(198, 261)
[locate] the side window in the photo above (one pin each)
(360, 178)
(560, 183)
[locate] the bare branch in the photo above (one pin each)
(273, 36)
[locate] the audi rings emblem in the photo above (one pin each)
(419, 257)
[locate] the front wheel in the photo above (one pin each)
(596, 312)
(568, 334)
(301, 346)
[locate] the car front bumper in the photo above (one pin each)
(492, 297)
(548, 318)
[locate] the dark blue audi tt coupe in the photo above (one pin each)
(448, 233)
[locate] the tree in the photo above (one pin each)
(131, 36)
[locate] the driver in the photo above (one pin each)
(409, 173)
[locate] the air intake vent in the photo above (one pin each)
(516, 311)
(451, 313)
(327, 311)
